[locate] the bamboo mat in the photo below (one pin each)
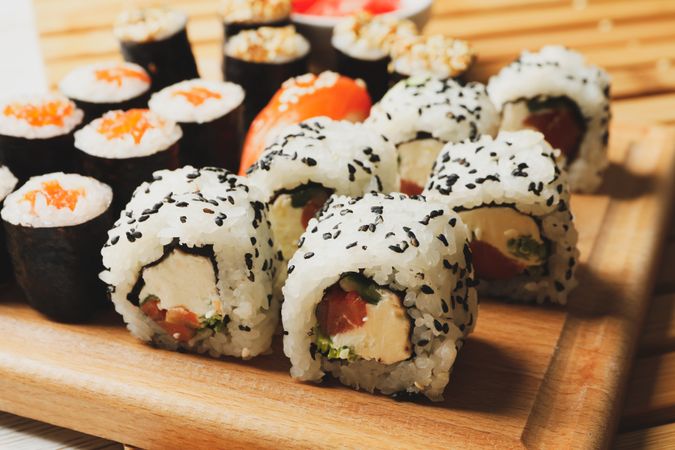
(634, 40)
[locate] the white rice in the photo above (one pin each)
(173, 106)
(517, 169)
(148, 24)
(254, 11)
(435, 55)
(19, 127)
(402, 251)
(94, 200)
(368, 37)
(162, 135)
(7, 182)
(199, 207)
(271, 45)
(556, 71)
(85, 85)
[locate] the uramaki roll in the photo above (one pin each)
(392, 311)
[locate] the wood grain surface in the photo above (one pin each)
(634, 39)
(530, 376)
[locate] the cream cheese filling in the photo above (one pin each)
(498, 225)
(384, 335)
(183, 280)
(417, 158)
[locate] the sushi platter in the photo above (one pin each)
(351, 241)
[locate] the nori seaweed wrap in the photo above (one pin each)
(240, 15)
(157, 40)
(55, 226)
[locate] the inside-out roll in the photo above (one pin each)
(421, 114)
(556, 92)
(392, 311)
(514, 198)
(313, 160)
(190, 264)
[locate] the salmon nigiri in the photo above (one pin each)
(328, 94)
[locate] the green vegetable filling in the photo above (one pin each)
(525, 247)
(365, 287)
(325, 346)
(215, 323)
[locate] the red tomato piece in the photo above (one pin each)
(340, 311)
(491, 264)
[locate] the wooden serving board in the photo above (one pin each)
(530, 376)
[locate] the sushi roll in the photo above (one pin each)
(7, 184)
(156, 38)
(421, 114)
(240, 15)
(261, 60)
(389, 314)
(514, 198)
(327, 94)
(362, 44)
(311, 161)
(434, 55)
(124, 148)
(556, 93)
(55, 226)
(211, 115)
(102, 87)
(190, 264)
(36, 134)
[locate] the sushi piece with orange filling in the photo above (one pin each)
(328, 94)
(55, 225)
(102, 87)
(36, 134)
(211, 115)
(124, 148)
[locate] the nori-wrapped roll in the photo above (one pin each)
(362, 44)
(55, 226)
(36, 134)
(124, 148)
(211, 115)
(157, 40)
(261, 60)
(7, 184)
(240, 15)
(436, 55)
(102, 87)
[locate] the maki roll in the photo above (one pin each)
(389, 314)
(36, 134)
(311, 161)
(124, 148)
(240, 15)
(435, 55)
(190, 263)
(211, 115)
(514, 198)
(102, 87)
(156, 38)
(421, 114)
(301, 98)
(362, 44)
(55, 225)
(7, 184)
(261, 60)
(556, 93)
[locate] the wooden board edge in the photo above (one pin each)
(568, 414)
